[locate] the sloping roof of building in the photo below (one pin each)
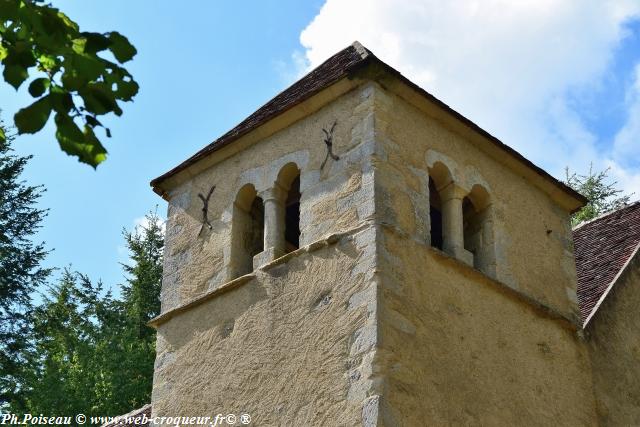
(340, 65)
(134, 418)
(603, 246)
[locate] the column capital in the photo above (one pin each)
(452, 191)
(277, 192)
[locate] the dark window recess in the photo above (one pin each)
(256, 233)
(292, 217)
(435, 216)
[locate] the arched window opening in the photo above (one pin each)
(439, 178)
(435, 216)
(477, 229)
(292, 217)
(247, 231)
(288, 183)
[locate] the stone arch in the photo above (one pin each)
(247, 230)
(437, 160)
(478, 231)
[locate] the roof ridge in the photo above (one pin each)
(601, 216)
(362, 51)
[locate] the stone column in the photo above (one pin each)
(274, 224)
(452, 223)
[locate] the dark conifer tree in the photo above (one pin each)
(21, 270)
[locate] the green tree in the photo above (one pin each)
(76, 79)
(89, 352)
(602, 196)
(63, 367)
(141, 301)
(21, 270)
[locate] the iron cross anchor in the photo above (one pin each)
(328, 139)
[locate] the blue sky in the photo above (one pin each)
(557, 80)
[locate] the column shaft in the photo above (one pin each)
(452, 220)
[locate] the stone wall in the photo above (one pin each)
(614, 344)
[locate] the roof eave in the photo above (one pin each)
(367, 60)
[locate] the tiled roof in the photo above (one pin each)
(602, 248)
(134, 418)
(329, 72)
(340, 65)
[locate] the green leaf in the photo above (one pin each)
(127, 90)
(74, 142)
(39, 86)
(99, 100)
(15, 74)
(68, 23)
(61, 100)
(9, 9)
(72, 81)
(84, 66)
(48, 62)
(121, 48)
(78, 45)
(96, 42)
(3, 137)
(19, 57)
(33, 118)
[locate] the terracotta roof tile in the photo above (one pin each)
(602, 248)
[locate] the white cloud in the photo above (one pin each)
(510, 66)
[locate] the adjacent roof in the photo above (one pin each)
(134, 418)
(340, 65)
(603, 246)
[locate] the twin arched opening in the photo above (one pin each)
(461, 221)
(265, 225)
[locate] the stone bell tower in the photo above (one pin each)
(357, 253)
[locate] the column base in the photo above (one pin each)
(266, 256)
(461, 254)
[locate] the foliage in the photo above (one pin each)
(20, 263)
(602, 196)
(144, 277)
(65, 366)
(92, 353)
(75, 81)
(141, 303)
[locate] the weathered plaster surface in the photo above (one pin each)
(290, 347)
(459, 350)
(614, 344)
